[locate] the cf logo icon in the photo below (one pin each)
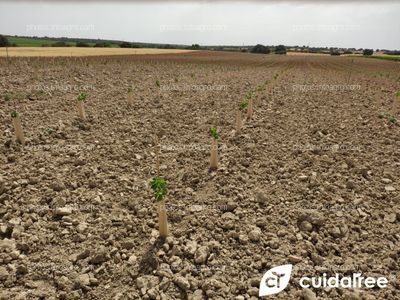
(275, 280)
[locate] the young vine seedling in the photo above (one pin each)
(243, 105)
(214, 133)
(214, 148)
(159, 187)
(82, 97)
(18, 127)
(81, 109)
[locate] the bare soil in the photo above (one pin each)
(312, 179)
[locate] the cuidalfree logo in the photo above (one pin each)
(275, 280)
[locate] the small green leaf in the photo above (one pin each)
(14, 114)
(50, 130)
(243, 105)
(213, 133)
(82, 97)
(159, 186)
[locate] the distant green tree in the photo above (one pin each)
(280, 49)
(125, 45)
(260, 49)
(4, 41)
(82, 44)
(368, 51)
(102, 45)
(195, 47)
(59, 44)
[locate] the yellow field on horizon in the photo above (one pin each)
(74, 51)
(303, 53)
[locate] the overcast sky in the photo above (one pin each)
(358, 24)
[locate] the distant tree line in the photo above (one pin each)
(166, 46)
(128, 45)
(82, 44)
(102, 45)
(395, 52)
(4, 42)
(261, 49)
(60, 44)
